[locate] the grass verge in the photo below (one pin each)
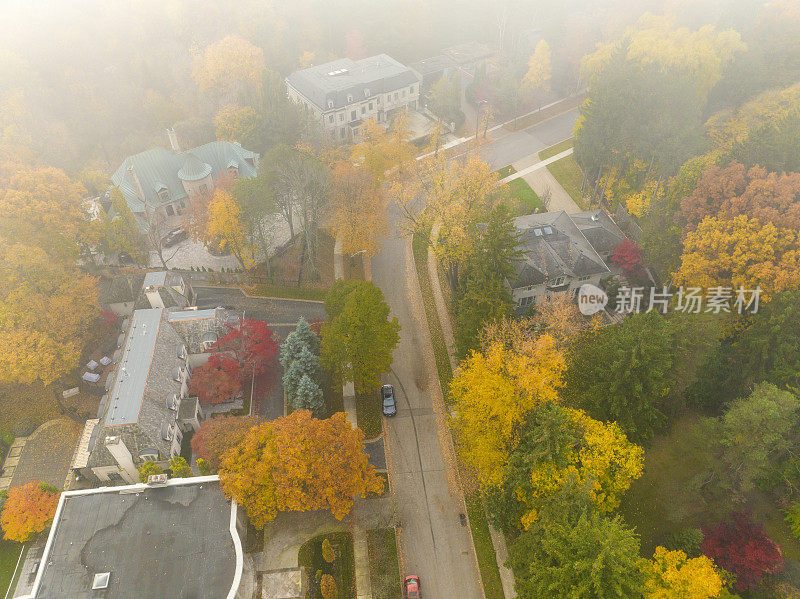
(368, 413)
(556, 149)
(484, 550)
(342, 569)
(384, 569)
(284, 292)
(524, 199)
(420, 248)
(9, 554)
(566, 171)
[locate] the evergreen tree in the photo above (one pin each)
(308, 396)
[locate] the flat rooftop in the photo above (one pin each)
(184, 315)
(155, 279)
(156, 542)
(130, 381)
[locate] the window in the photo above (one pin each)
(163, 194)
(363, 110)
(370, 105)
(341, 117)
(349, 98)
(330, 119)
(395, 95)
(352, 115)
(170, 210)
(366, 93)
(330, 103)
(557, 282)
(524, 302)
(404, 93)
(586, 278)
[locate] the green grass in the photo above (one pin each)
(281, 291)
(384, 569)
(342, 569)
(443, 369)
(566, 171)
(9, 554)
(368, 413)
(524, 200)
(484, 549)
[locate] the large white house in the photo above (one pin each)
(342, 94)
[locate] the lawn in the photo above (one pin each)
(665, 499)
(342, 569)
(9, 554)
(24, 407)
(368, 413)
(566, 171)
(484, 549)
(524, 199)
(384, 569)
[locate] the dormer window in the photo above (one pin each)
(349, 98)
(366, 93)
(163, 195)
(330, 103)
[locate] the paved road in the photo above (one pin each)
(521, 144)
(274, 311)
(434, 544)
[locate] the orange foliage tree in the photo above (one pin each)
(217, 435)
(28, 510)
(298, 463)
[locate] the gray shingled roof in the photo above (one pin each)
(158, 168)
(553, 246)
(121, 289)
(172, 541)
(335, 81)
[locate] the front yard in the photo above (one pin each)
(566, 171)
(9, 554)
(342, 569)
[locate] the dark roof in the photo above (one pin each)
(432, 65)
(553, 246)
(600, 229)
(159, 168)
(335, 81)
(469, 52)
(121, 289)
(171, 541)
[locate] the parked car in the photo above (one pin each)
(387, 396)
(411, 586)
(173, 237)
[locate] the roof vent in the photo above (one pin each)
(166, 431)
(172, 401)
(594, 217)
(156, 480)
(101, 581)
(537, 231)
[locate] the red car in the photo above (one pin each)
(411, 586)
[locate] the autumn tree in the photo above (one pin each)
(741, 252)
(327, 587)
(240, 124)
(624, 373)
(47, 312)
(212, 384)
(301, 382)
(179, 467)
(232, 67)
(539, 69)
(250, 344)
(493, 391)
(28, 510)
(148, 469)
(358, 340)
(741, 547)
(328, 552)
(217, 435)
(673, 575)
(120, 230)
(358, 210)
(298, 463)
(225, 224)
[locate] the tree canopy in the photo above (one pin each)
(28, 510)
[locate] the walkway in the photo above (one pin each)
(542, 181)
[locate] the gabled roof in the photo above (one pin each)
(121, 289)
(159, 168)
(335, 81)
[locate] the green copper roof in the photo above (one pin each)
(193, 169)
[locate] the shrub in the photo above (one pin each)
(149, 469)
(328, 588)
(28, 510)
(328, 553)
(686, 539)
(792, 518)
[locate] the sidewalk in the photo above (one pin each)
(542, 181)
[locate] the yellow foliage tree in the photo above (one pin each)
(673, 575)
(740, 252)
(493, 390)
(601, 459)
(298, 463)
(225, 224)
(28, 510)
(384, 152)
(358, 210)
(539, 69)
(238, 123)
(231, 66)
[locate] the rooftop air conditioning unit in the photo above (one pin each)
(156, 480)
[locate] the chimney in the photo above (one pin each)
(173, 139)
(117, 448)
(136, 183)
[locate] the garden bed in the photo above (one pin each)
(342, 569)
(369, 413)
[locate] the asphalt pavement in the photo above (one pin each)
(271, 310)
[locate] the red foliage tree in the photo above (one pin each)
(742, 548)
(108, 319)
(28, 510)
(217, 435)
(247, 349)
(628, 256)
(212, 383)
